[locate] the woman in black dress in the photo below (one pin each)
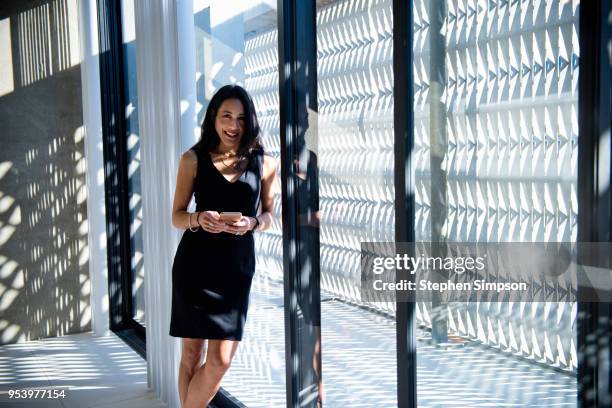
(214, 264)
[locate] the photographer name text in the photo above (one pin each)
(427, 285)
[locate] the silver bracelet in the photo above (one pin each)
(190, 227)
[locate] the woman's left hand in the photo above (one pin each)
(240, 227)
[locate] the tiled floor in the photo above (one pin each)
(359, 364)
(100, 372)
(358, 367)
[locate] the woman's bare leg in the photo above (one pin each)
(207, 379)
(192, 354)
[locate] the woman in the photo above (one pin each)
(215, 260)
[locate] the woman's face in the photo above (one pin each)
(230, 124)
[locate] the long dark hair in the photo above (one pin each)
(251, 139)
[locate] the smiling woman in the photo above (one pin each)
(229, 124)
(215, 261)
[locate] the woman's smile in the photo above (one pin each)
(232, 133)
(230, 124)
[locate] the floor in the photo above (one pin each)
(359, 367)
(100, 372)
(359, 364)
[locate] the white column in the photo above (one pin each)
(159, 115)
(92, 124)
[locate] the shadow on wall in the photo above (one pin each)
(44, 278)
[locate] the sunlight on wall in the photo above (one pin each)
(47, 38)
(6, 58)
(8, 267)
(44, 284)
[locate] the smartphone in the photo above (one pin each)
(230, 216)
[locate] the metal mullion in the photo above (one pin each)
(298, 97)
(123, 167)
(109, 161)
(594, 201)
(287, 114)
(404, 196)
(115, 158)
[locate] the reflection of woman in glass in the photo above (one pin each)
(215, 260)
(309, 288)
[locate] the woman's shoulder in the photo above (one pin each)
(189, 156)
(268, 159)
(269, 165)
(189, 162)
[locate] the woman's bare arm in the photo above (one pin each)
(185, 179)
(268, 182)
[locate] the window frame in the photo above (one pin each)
(405, 315)
(114, 141)
(594, 196)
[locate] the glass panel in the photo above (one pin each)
(356, 160)
(133, 159)
(239, 45)
(495, 127)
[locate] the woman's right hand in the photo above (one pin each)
(210, 221)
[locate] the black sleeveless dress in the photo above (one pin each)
(212, 273)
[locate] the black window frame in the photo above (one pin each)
(297, 69)
(115, 152)
(405, 315)
(594, 320)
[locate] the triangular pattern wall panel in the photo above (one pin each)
(510, 93)
(510, 89)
